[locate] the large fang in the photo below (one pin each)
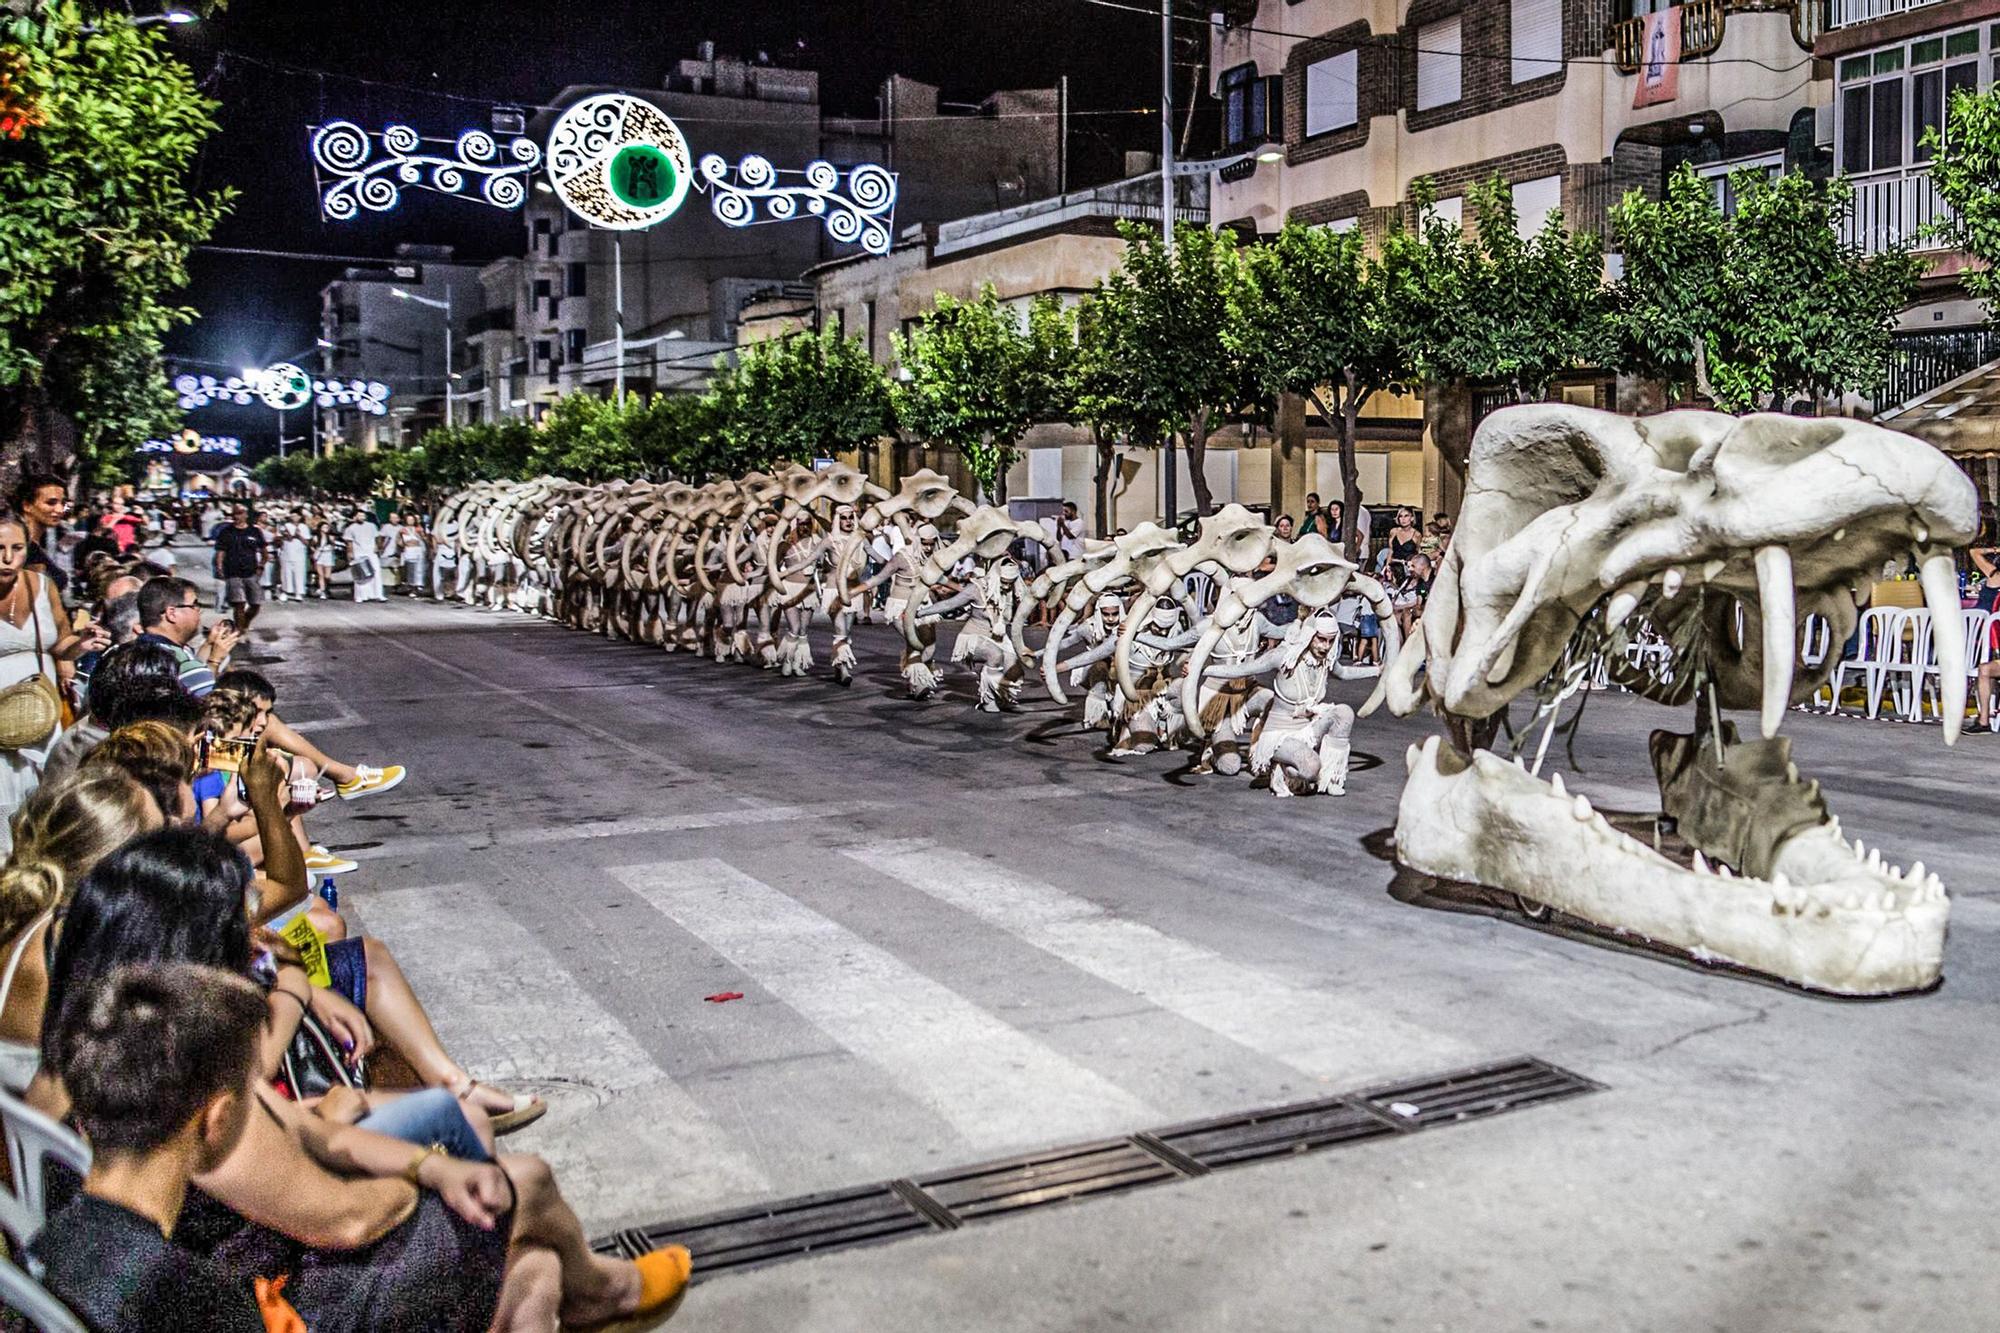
(1670, 583)
(1940, 580)
(1622, 604)
(1778, 607)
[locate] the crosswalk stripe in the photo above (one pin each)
(995, 1085)
(507, 1009)
(1324, 1035)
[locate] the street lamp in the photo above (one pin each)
(176, 17)
(444, 305)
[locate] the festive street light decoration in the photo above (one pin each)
(358, 170)
(619, 161)
(193, 442)
(284, 387)
(754, 191)
(616, 161)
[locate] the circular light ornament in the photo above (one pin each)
(285, 387)
(617, 161)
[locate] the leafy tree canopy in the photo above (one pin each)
(1755, 308)
(96, 222)
(977, 379)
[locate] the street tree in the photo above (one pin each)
(977, 378)
(1965, 171)
(1754, 309)
(1106, 392)
(96, 222)
(1310, 317)
(799, 398)
(1180, 311)
(1485, 305)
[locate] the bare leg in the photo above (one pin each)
(593, 1288)
(284, 738)
(531, 1293)
(394, 1009)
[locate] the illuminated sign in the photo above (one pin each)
(619, 162)
(284, 387)
(189, 442)
(358, 170)
(616, 161)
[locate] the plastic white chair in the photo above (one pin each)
(1880, 626)
(1907, 658)
(33, 1140)
(1978, 649)
(27, 1298)
(1813, 649)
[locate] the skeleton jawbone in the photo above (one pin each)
(1825, 920)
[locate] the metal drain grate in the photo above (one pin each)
(842, 1219)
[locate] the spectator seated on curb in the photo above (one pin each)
(159, 1063)
(351, 781)
(170, 615)
(368, 1231)
(60, 832)
(132, 683)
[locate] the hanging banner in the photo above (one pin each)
(1660, 58)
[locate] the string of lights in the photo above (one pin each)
(492, 103)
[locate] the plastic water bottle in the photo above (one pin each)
(329, 891)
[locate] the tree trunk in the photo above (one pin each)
(1197, 452)
(1349, 419)
(1000, 463)
(1107, 459)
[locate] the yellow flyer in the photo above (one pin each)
(302, 935)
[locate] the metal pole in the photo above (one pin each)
(1062, 134)
(618, 311)
(1167, 122)
(281, 432)
(1170, 453)
(449, 419)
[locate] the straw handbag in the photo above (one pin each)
(30, 709)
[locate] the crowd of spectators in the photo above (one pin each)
(278, 1138)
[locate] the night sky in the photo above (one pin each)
(279, 66)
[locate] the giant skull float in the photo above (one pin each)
(1579, 525)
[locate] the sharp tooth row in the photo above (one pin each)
(1581, 809)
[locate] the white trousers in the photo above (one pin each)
(292, 574)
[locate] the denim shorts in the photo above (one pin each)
(433, 1115)
(347, 964)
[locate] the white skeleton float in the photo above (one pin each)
(742, 570)
(1720, 534)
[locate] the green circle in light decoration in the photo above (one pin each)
(642, 175)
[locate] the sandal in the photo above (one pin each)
(524, 1109)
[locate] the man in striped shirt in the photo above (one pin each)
(170, 615)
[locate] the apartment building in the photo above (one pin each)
(368, 332)
(1572, 102)
(1895, 65)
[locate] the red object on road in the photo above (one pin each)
(723, 997)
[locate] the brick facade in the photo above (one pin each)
(1486, 73)
(1529, 164)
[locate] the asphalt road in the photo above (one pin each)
(960, 937)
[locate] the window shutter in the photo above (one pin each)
(1438, 59)
(1331, 103)
(1538, 38)
(1533, 202)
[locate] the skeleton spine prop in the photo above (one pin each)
(742, 569)
(1583, 529)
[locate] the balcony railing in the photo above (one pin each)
(1892, 207)
(1920, 362)
(1860, 11)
